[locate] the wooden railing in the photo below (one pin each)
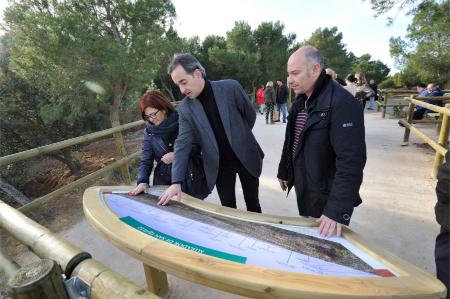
(102, 282)
(6, 160)
(441, 145)
(387, 95)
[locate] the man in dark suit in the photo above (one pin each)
(219, 116)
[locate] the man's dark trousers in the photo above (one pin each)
(226, 185)
(441, 256)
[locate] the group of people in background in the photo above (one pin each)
(430, 90)
(270, 97)
(358, 86)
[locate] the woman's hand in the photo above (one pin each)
(142, 187)
(167, 158)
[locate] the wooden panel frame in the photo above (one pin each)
(249, 280)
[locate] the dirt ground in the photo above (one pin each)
(47, 175)
(396, 214)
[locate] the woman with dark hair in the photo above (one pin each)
(363, 90)
(159, 139)
(350, 84)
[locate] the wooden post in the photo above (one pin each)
(7, 266)
(382, 95)
(290, 97)
(122, 153)
(41, 279)
(409, 117)
(443, 140)
(156, 281)
(439, 124)
(385, 102)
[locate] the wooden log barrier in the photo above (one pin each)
(104, 282)
(40, 279)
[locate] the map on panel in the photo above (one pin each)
(279, 247)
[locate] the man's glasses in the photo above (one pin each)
(151, 115)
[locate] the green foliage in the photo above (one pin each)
(273, 48)
(424, 55)
(398, 110)
(375, 70)
(329, 42)
(383, 6)
(58, 46)
(387, 83)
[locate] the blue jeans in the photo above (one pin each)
(261, 108)
(282, 110)
(372, 103)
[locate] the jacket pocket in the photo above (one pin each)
(316, 202)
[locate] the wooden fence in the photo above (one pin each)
(387, 96)
(441, 145)
(6, 160)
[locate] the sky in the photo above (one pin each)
(362, 33)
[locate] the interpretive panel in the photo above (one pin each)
(274, 246)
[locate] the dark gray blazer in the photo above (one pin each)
(238, 117)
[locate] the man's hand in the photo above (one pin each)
(142, 187)
(283, 184)
(328, 226)
(167, 158)
(174, 189)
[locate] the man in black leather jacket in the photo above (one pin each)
(324, 152)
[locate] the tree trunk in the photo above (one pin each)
(166, 88)
(119, 92)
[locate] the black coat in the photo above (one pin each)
(327, 169)
(442, 207)
(282, 94)
(158, 141)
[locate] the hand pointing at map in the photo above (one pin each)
(327, 227)
(174, 189)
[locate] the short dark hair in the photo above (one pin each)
(423, 85)
(314, 56)
(188, 62)
(156, 100)
(351, 78)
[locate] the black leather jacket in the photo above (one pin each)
(327, 169)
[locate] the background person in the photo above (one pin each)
(374, 97)
(363, 90)
(350, 84)
(269, 101)
(431, 90)
(282, 94)
(260, 99)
